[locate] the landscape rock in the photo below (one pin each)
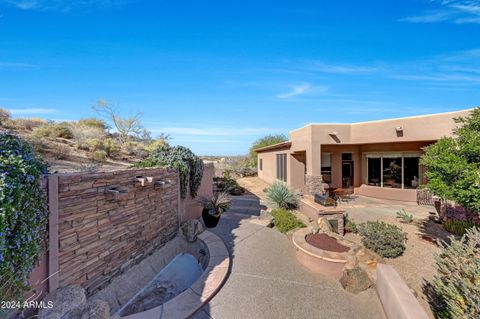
(63, 299)
(355, 280)
(94, 309)
(324, 226)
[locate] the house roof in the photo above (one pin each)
(278, 146)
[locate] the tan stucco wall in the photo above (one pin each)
(357, 138)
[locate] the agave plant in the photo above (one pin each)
(280, 195)
(217, 204)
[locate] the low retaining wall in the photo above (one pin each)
(408, 195)
(397, 300)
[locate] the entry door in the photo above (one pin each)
(347, 170)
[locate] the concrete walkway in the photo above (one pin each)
(266, 281)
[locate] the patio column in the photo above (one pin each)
(313, 178)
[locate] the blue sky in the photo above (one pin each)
(216, 75)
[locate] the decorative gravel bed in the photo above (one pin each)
(325, 242)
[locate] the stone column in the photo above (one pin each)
(313, 178)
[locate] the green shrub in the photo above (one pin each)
(23, 215)
(384, 239)
(404, 216)
(99, 156)
(457, 283)
(111, 146)
(280, 195)
(457, 227)
(350, 225)
(189, 166)
(285, 221)
(94, 144)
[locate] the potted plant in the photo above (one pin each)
(214, 207)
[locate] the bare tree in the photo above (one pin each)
(126, 126)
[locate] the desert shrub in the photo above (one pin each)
(93, 122)
(52, 130)
(59, 151)
(385, 239)
(285, 221)
(134, 148)
(26, 124)
(457, 227)
(228, 184)
(94, 144)
(111, 146)
(350, 225)
(189, 166)
(457, 282)
(404, 216)
(156, 144)
(99, 156)
(280, 195)
(23, 215)
(81, 134)
(4, 115)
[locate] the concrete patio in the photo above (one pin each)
(266, 281)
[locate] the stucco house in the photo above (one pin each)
(376, 158)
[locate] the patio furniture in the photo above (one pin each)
(343, 194)
(324, 200)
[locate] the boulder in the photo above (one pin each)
(94, 309)
(191, 228)
(324, 226)
(355, 280)
(63, 300)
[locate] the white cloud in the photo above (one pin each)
(295, 90)
(456, 11)
(341, 69)
(17, 65)
(32, 111)
(60, 5)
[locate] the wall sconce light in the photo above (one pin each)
(399, 129)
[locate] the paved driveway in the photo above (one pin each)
(266, 281)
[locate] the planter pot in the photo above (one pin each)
(210, 221)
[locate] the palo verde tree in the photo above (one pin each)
(263, 142)
(453, 164)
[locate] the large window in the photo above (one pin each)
(282, 167)
(326, 167)
(393, 170)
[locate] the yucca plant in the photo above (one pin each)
(217, 204)
(281, 196)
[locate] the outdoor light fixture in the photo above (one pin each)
(399, 129)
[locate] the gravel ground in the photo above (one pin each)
(417, 264)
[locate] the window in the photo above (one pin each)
(394, 170)
(282, 167)
(411, 172)
(260, 164)
(326, 167)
